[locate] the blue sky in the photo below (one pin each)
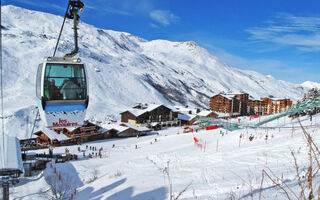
(274, 37)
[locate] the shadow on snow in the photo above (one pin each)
(125, 194)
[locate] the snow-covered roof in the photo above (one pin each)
(54, 136)
(141, 128)
(186, 117)
(117, 127)
(223, 114)
(71, 128)
(204, 113)
(137, 112)
(228, 96)
(173, 108)
(10, 155)
(103, 130)
(186, 110)
(154, 123)
(278, 99)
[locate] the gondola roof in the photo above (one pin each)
(10, 161)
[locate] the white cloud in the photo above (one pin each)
(154, 25)
(286, 29)
(164, 17)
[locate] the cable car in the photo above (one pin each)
(62, 92)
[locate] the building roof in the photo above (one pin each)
(71, 129)
(141, 128)
(223, 114)
(104, 130)
(186, 117)
(118, 128)
(125, 126)
(137, 112)
(204, 113)
(227, 114)
(228, 96)
(53, 135)
(186, 110)
(10, 156)
(251, 98)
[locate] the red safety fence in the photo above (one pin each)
(211, 127)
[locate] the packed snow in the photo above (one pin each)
(225, 165)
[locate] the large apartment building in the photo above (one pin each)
(273, 106)
(242, 104)
(230, 103)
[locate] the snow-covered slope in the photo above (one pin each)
(123, 69)
(227, 166)
(310, 85)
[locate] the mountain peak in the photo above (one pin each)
(310, 85)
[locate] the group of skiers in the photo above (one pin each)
(94, 152)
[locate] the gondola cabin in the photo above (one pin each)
(62, 92)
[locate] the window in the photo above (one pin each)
(38, 81)
(65, 82)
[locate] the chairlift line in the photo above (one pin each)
(62, 82)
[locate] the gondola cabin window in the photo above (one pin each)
(64, 82)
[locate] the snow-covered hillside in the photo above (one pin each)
(123, 69)
(310, 85)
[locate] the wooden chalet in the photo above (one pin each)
(66, 136)
(52, 137)
(30, 144)
(145, 114)
(128, 130)
(88, 132)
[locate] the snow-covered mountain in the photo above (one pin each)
(123, 69)
(310, 85)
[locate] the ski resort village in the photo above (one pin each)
(187, 113)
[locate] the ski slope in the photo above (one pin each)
(224, 166)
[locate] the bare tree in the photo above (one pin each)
(167, 173)
(61, 186)
(94, 176)
(308, 186)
